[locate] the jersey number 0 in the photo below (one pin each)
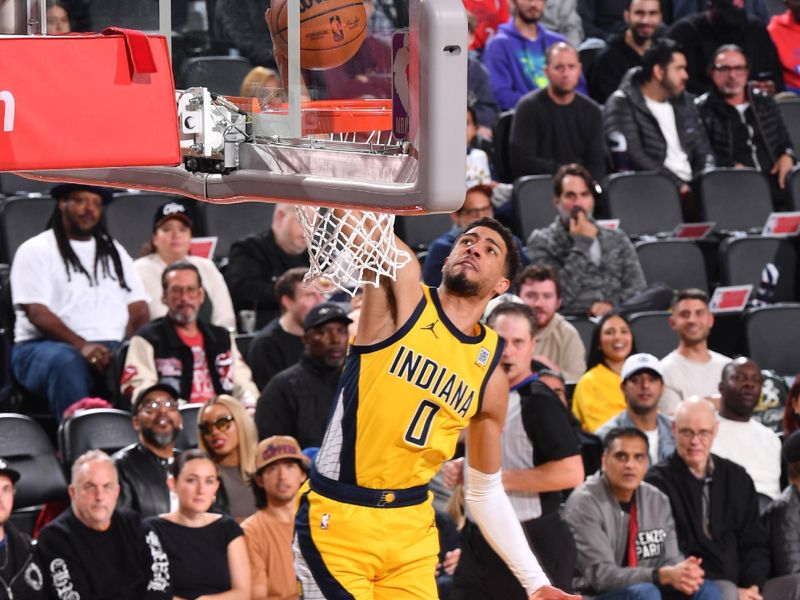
(420, 427)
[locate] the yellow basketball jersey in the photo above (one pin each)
(403, 401)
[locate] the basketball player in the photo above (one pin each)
(422, 368)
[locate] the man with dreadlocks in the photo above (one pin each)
(76, 296)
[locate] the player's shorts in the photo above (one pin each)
(359, 544)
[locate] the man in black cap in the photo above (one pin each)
(20, 575)
(76, 297)
(144, 467)
(297, 400)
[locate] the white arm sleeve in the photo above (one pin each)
(498, 523)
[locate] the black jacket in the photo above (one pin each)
(142, 480)
(297, 402)
(738, 549)
(272, 351)
(720, 120)
(26, 581)
(254, 264)
(626, 114)
(783, 522)
(607, 71)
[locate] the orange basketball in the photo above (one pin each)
(331, 31)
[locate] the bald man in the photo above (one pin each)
(715, 506)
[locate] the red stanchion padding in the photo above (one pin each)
(87, 101)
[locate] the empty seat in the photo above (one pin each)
(13, 185)
(735, 199)
(129, 218)
(419, 231)
(652, 333)
(106, 429)
(793, 187)
(645, 203)
(678, 263)
(533, 203)
(22, 218)
(501, 137)
(585, 329)
(231, 222)
(743, 259)
(771, 333)
(220, 74)
(790, 111)
(187, 438)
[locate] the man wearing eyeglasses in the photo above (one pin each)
(196, 358)
(716, 512)
(743, 123)
(144, 467)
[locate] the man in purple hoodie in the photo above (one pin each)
(515, 56)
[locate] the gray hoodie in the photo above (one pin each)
(600, 528)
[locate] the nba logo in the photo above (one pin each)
(483, 357)
(323, 524)
(336, 28)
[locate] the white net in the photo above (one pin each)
(350, 248)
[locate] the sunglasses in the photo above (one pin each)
(221, 424)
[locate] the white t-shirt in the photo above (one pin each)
(676, 160)
(754, 447)
(95, 311)
(684, 378)
(652, 439)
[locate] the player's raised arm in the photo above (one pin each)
(487, 500)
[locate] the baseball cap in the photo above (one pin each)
(158, 387)
(791, 448)
(641, 362)
(325, 312)
(172, 210)
(5, 469)
(62, 190)
(279, 447)
(501, 299)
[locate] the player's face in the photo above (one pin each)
(81, 212)
(94, 494)
(172, 240)
(692, 321)
(327, 342)
(476, 264)
(221, 434)
(643, 18)
(574, 192)
(281, 480)
(518, 347)
(6, 499)
(642, 391)
(675, 75)
(183, 296)
(625, 464)
(563, 71)
(529, 11)
(158, 419)
(196, 485)
(616, 339)
(305, 298)
(541, 296)
(730, 73)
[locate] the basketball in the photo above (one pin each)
(331, 31)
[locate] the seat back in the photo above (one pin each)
(645, 203)
(652, 332)
(771, 333)
(743, 259)
(532, 198)
(129, 218)
(22, 218)
(419, 232)
(13, 185)
(231, 222)
(585, 329)
(26, 447)
(735, 199)
(220, 74)
(501, 155)
(678, 263)
(106, 429)
(790, 112)
(187, 438)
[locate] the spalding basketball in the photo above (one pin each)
(331, 31)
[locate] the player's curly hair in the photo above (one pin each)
(512, 252)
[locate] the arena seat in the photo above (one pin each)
(678, 263)
(742, 260)
(231, 222)
(793, 187)
(585, 329)
(22, 218)
(418, 232)
(645, 203)
(735, 199)
(501, 136)
(532, 199)
(129, 218)
(652, 332)
(220, 74)
(790, 111)
(106, 429)
(771, 333)
(243, 341)
(187, 438)
(14, 185)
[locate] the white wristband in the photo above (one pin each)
(495, 516)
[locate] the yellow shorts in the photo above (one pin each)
(346, 551)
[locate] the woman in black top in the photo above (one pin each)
(207, 552)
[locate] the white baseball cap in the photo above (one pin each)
(641, 362)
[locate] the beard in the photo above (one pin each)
(183, 318)
(162, 440)
(639, 39)
(458, 285)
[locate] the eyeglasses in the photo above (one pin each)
(478, 210)
(737, 69)
(221, 424)
(156, 405)
(177, 291)
(687, 434)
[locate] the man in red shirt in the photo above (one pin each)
(784, 30)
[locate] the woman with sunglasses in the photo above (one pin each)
(192, 537)
(227, 433)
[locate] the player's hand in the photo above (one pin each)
(453, 472)
(581, 224)
(547, 592)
